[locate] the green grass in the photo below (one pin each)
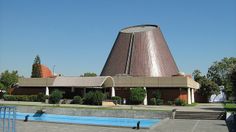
(193, 104)
(230, 107)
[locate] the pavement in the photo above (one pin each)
(201, 107)
(176, 125)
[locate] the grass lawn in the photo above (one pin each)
(230, 107)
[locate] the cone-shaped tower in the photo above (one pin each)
(140, 51)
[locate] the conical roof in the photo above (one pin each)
(140, 51)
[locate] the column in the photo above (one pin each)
(84, 92)
(113, 92)
(189, 96)
(72, 89)
(145, 99)
(47, 91)
(192, 92)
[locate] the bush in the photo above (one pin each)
(94, 98)
(137, 95)
(116, 98)
(157, 95)
(77, 100)
(55, 97)
(180, 102)
(41, 97)
(170, 102)
(153, 101)
(159, 101)
(32, 98)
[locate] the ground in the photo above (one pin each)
(166, 126)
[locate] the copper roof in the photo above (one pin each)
(140, 51)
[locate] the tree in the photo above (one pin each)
(89, 74)
(36, 68)
(207, 87)
(233, 80)
(137, 95)
(55, 97)
(220, 72)
(7, 79)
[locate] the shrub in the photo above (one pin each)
(117, 99)
(77, 100)
(170, 102)
(94, 98)
(137, 95)
(180, 102)
(157, 95)
(41, 97)
(153, 101)
(159, 101)
(32, 98)
(55, 97)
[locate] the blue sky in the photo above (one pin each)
(77, 35)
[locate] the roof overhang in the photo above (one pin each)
(172, 82)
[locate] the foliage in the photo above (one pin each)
(117, 98)
(137, 95)
(170, 102)
(41, 97)
(230, 107)
(32, 98)
(55, 97)
(153, 101)
(89, 74)
(207, 87)
(220, 72)
(233, 80)
(8, 79)
(157, 94)
(94, 98)
(180, 102)
(77, 100)
(36, 68)
(159, 101)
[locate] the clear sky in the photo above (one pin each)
(77, 35)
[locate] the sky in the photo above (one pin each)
(76, 36)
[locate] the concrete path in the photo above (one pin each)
(167, 126)
(199, 107)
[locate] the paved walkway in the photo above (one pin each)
(199, 107)
(167, 126)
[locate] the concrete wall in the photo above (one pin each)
(97, 112)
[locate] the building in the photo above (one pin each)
(139, 57)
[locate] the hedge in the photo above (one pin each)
(94, 98)
(32, 98)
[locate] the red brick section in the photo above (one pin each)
(168, 94)
(46, 72)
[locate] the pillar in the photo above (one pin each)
(84, 92)
(192, 92)
(145, 99)
(47, 91)
(189, 96)
(113, 92)
(72, 89)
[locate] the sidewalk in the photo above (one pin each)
(201, 107)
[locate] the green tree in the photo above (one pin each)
(55, 97)
(207, 87)
(220, 72)
(7, 79)
(36, 68)
(137, 95)
(233, 80)
(89, 74)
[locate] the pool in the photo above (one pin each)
(89, 120)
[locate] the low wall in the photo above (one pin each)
(97, 112)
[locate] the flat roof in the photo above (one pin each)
(108, 81)
(139, 28)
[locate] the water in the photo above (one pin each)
(89, 120)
